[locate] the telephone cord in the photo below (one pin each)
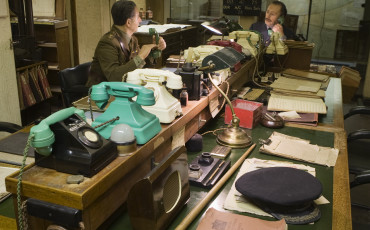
(21, 207)
(90, 106)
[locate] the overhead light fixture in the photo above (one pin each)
(233, 136)
(222, 26)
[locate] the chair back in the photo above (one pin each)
(72, 82)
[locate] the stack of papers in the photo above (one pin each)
(299, 149)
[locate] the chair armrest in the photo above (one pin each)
(9, 127)
(360, 179)
(358, 134)
(357, 110)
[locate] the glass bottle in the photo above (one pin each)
(149, 14)
(184, 96)
(142, 14)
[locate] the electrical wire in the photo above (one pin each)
(322, 27)
(19, 184)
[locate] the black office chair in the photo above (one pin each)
(358, 143)
(72, 82)
(9, 127)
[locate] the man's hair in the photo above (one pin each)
(121, 11)
(283, 10)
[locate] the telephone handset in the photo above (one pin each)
(281, 20)
(144, 124)
(154, 53)
(65, 142)
(102, 92)
(166, 107)
(43, 136)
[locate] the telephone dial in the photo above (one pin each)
(166, 106)
(64, 141)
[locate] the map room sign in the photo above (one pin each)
(242, 7)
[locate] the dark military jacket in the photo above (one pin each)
(115, 55)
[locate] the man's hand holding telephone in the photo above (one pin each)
(158, 43)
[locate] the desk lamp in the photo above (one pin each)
(233, 136)
(276, 46)
(222, 26)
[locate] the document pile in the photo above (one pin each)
(299, 91)
(299, 149)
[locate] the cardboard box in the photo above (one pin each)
(249, 113)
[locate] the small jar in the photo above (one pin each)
(184, 97)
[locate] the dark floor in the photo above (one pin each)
(361, 194)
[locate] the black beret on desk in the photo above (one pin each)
(283, 192)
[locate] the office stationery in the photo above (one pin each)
(215, 219)
(293, 103)
(299, 149)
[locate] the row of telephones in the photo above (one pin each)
(64, 141)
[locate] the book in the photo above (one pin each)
(29, 99)
(33, 76)
(293, 103)
(20, 94)
(33, 87)
(44, 82)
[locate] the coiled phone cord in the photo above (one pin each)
(90, 106)
(21, 207)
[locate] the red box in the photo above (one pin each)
(249, 113)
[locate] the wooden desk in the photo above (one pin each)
(100, 196)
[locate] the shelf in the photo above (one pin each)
(48, 45)
(55, 89)
(53, 66)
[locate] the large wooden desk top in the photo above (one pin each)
(111, 185)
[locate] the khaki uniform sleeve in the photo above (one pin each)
(112, 61)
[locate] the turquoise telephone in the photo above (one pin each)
(144, 124)
(65, 142)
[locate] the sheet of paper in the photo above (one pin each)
(215, 219)
(296, 84)
(298, 104)
(306, 75)
(288, 147)
(4, 172)
(235, 201)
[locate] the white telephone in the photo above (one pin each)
(248, 40)
(166, 107)
(200, 52)
(276, 46)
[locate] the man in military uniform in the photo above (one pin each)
(118, 51)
